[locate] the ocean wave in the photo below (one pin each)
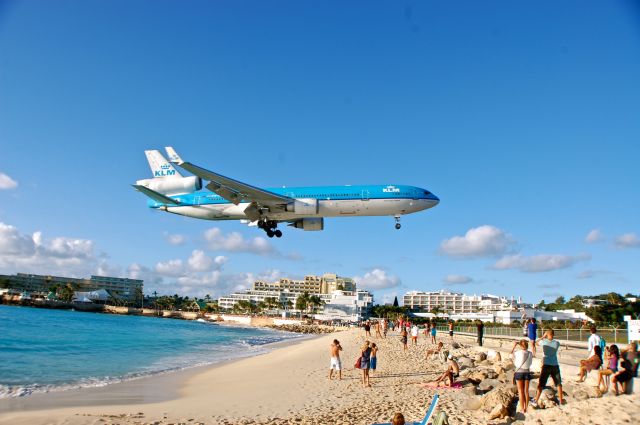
(206, 354)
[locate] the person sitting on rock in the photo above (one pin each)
(592, 363)
(452, 372)
(434, 351)
(611, 362)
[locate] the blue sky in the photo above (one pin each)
(521, 116)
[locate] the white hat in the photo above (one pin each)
(450, 357)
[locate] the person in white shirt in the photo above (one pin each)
(414, 335)
(594, 340)
(522, 362)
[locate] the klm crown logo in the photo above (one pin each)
(165, 171)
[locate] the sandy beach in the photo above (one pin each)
(289, 385)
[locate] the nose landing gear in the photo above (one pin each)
(398, 225)
(269, 226)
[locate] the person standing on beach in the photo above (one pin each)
(374, 357)
(480, 327)
(433, 333)
(451, 330)
(385, 327)
(378, 330)
(403, 334)
(550, 366)
(522, 363)
(594, 340)
(532, 333)
(335, 359)
(414, 335)
(367, 329)
(365, 363)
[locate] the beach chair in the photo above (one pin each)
(427, 416)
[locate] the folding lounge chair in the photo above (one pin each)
(427, 416)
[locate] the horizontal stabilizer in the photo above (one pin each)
(158, 197)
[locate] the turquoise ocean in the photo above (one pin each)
(48, 350)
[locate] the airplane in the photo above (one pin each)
(300, 207)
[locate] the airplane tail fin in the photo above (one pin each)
(160, 167)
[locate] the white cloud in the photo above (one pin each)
(235, 242)
(377, 279)
(456, 279)
(594, 236)
(172, 268)
(7, 182)
(201, 262)
(628, 240)
(175, 239)
(35, 254)
(539, 263)
(483, 241)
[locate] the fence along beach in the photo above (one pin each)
(290, 385)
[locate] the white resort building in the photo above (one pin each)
(456, 303)
(342, 301)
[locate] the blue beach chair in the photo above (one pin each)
(427, 416)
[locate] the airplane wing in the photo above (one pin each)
(158, 197)
(233, 190)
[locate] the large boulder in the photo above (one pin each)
(488, 384)
(498, 412)
(547, 399)
(465, 362)
(502, 396)
(477, 376)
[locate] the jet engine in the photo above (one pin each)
(177, 186)
(309, 224)
(303, 207)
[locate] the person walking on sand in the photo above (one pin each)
(414, 334)
(433, 333)
(532, 333)
(403, 334)
(335, 349)
(480, 328)
(522, 363)
(451, 330)
(385, 328)
(365, 363)
(378, 330)
(550, 366)
(374, 357)
(367, 329)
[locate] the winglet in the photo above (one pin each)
(173, 155)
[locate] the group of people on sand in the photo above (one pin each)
(611, 364)
(366, 362)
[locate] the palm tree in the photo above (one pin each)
(66, 293)
(315, 302)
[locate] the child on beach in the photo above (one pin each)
(522, 363)
(374, 357)
(404, 338)
(611, 362)
(335, 359)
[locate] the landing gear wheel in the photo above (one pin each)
(261, 224)
(278, 233)
(270, 233)
(272, 224)
(398, 226)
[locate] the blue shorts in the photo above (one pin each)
(372, 363)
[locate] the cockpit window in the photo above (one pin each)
(426, 192)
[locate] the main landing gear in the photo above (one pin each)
(269, 226)
(398, 225)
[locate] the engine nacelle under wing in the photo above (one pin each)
(303, 207)
(173, 186)
(309, 224)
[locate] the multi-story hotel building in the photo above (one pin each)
(324, 284)
(117, 286)
(455, 303)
